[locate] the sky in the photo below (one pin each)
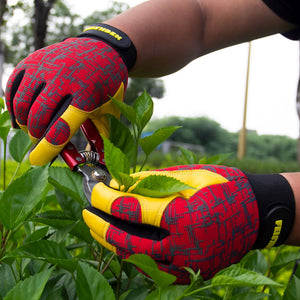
(214, 85)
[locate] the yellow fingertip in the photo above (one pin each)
(33, 139)
(103, 197)
(98, 228)
(74, 117)
(103, 242)
(44, 152)
(99, 115)
(95, 223)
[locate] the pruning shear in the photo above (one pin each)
(90, 164)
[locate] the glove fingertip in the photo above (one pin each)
(44, 152)
(11, 89)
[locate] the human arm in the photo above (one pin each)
(294, 181)
(168, 34)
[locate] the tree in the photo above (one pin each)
(298, 111)
(199, 131)
(40, 19)
(51, 26)
(3, 9)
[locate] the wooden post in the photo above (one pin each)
(243, 132)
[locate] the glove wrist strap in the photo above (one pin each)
(114, 37)
(276, 205)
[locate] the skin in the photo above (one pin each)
(168, 34)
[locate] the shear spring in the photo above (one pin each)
(90, 157)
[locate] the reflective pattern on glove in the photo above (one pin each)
(76, 78)
(208, 228)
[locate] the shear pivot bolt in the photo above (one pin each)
(99, 175)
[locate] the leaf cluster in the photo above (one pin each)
(122, 148)
(47, 252)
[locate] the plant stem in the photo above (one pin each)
(4, 163)
(119, 279)
(228, 293)
(100, 257)
(15, 173)
(4, 241)
(269, 271)
(196, 291)
(106, 266)
(143, 164)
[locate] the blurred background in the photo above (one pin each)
(206, 97)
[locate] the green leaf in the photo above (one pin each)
(22, 196)
(91, 284)
(249, 296)
(216, 159)
(143, 106)
(128, 111)
(60, 235)
(255, 261)
(72, 209)
(169, 292)
(68, 182)
(137, 293)
(121, 137)
(54, 288)
(284, 258)
(127, 180)
(5, 119)
(1, 103)
(44, 250)
(274, 294)
(37, 235)
(5, 125)
(60, 220)
(31, 288)
(7, 279)
(149, 266)
(159, 186)
(238, 277)
(115, 160)
(19, 145)
(188, 155)
(151, 142)
(292, 291)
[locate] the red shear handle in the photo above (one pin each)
(71, 156)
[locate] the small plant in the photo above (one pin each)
(122, 147)
(47, 252)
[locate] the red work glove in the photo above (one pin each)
(55, 89)
(208, 228)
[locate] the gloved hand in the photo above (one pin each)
(208, 228)
(55, 89)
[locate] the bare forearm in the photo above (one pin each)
(168, 34)
(294, 181)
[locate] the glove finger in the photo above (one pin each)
(99, 116)
(127, 206)
(125, 239)
(57, 135)
(12, 86)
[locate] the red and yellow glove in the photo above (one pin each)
(206, 228)
(55, 89)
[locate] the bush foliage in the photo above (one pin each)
(48, 253)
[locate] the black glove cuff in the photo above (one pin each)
(276, 205)
(114, 37)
